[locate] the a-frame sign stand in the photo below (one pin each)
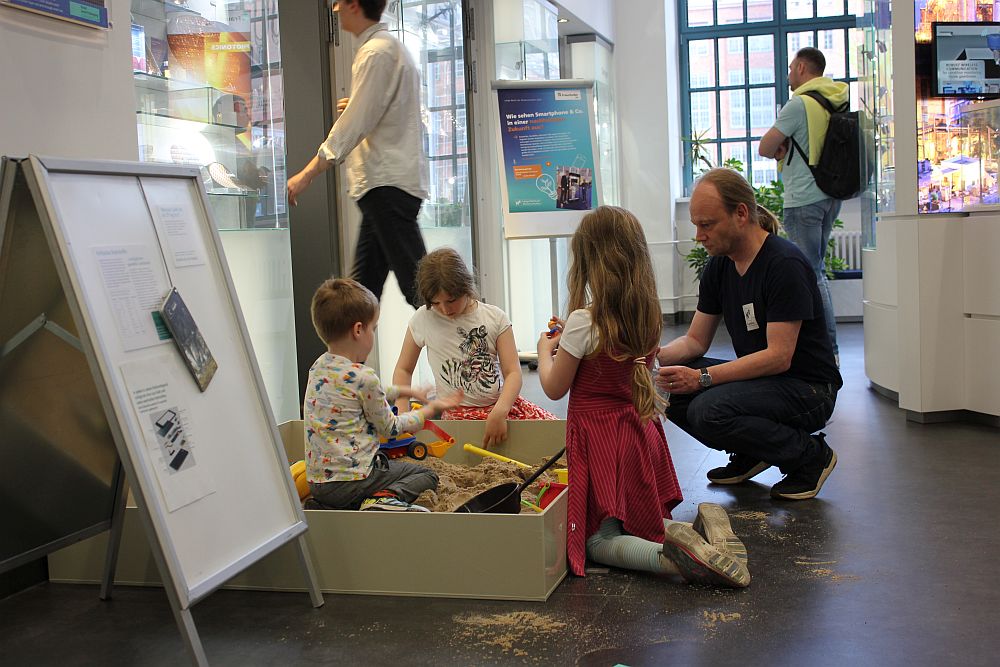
(55, 352)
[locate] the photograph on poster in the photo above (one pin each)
(173, 444)
(574, 188)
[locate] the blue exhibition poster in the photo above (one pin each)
(548, 155)
(93, 13)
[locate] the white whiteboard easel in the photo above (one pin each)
(120, 233)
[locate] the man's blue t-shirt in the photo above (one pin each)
(779, 286)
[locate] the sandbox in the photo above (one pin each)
(491, 556)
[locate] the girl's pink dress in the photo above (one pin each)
(619, 465)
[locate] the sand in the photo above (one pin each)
(458, 484)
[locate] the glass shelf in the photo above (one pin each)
(222, 192)
(165, 119)
(163, 84)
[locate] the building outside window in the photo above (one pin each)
(432, 31)
(734, 63)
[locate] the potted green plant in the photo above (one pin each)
(698, 152)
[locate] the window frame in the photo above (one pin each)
(779, 28)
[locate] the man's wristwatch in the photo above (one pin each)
(706, 379)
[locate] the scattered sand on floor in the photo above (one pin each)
(824, 572)
(711, 618)
(760, 523)
(506, 630)
(459, 484)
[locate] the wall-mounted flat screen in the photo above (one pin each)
(966, 59)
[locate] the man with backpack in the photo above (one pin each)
(797, 138)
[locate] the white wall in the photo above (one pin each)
(67, 89)
(598, 14)
(649, 128)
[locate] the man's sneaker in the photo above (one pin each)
(740, 469)
(806, 482)
(698, 561)
(712, 523)
(390, 504)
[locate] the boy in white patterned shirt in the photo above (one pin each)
(346, 409)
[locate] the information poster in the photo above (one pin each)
(177, 223)
(157, 397)
(546, 138)
(92, 13)
(547, 149)
(135, 283)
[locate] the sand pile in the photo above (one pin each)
(458, 484)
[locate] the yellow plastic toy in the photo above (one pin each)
(298, 470)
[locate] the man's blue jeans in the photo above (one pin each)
(809, 228)
(769, 419)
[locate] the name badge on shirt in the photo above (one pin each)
(749, 316)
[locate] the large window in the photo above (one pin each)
(734, 71)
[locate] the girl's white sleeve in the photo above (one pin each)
(499, 322)
(578, 336)
(418, 327)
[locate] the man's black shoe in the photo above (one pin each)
(806, 482)
(740, 469)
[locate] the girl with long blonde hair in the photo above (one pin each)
(622, 483)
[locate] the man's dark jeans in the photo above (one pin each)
(769, 419)
(389, 240)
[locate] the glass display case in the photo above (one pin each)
(876, 102)
(527, 40)
(208, 93)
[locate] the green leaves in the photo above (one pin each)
(701, 159)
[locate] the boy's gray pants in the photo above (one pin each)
(406, 480)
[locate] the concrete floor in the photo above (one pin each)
(889, 565)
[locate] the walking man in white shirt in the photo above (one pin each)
(380, 134)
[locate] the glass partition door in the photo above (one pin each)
(433, 32)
